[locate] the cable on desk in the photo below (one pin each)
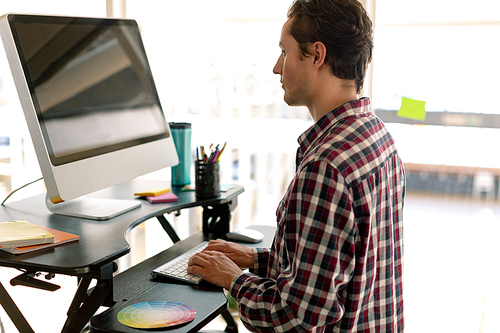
(17, 189)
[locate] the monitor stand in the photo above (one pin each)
(99, 209)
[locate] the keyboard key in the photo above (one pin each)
(177, 268)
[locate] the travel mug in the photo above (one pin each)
(181, 133)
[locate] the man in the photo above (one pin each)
(336, 263)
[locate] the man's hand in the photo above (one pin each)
(215, 267)
(221, 262)
(240, 254)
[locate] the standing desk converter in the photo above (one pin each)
(102, 242)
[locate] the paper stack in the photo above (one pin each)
(22, 233)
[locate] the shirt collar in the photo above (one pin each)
(354, 108)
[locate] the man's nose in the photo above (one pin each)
(277, 67)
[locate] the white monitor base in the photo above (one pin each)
(93, 208)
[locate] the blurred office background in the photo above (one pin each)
(212, 62)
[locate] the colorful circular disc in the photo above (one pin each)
(156, 314)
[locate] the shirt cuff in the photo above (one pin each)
(236, 285)
(261, 258)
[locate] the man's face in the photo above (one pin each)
(293, 69)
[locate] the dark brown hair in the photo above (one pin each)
(345, 29)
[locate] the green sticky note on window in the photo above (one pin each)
(412, 108)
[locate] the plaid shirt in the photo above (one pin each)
(336, 263)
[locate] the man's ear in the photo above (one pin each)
(319, 53)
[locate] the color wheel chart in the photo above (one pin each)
(156, 314)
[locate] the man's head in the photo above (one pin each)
(343, 26)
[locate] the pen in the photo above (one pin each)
(214, 156)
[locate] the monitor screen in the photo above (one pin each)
(90, 103)
(89, 85)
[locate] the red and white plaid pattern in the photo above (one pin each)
(336, 263)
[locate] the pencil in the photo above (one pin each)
(202, 154)
(221, 151)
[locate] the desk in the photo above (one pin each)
(101, 242)
(136, 285)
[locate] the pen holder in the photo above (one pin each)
(207, 179)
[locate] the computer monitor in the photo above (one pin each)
(91, 106)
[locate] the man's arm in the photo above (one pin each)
(314, 259)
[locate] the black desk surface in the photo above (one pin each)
(136, 285)
(100, 242)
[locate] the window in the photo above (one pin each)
(444, 53)
(212, 62)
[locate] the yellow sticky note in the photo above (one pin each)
(412, 108)
(153, 192)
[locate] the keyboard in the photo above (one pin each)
(177, 268)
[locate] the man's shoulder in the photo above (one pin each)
(353, 145)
